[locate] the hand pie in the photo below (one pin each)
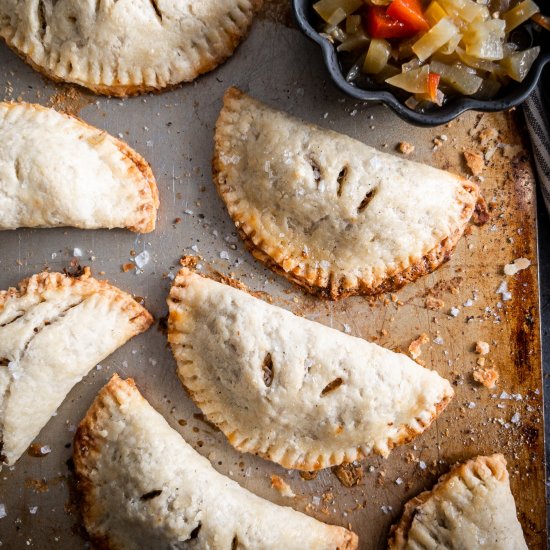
(53, 330)
(291, 390)
(471, 507)
(143, 486)
(55, 170)
(125, 47)
(328, 212)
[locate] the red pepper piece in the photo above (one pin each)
(409, 12)
(380, 25)
(433, 85)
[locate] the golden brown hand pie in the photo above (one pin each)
(143, 486)
(55, 170)
(471, 507)
(328, 212)
(291, 390)
(125, 47)
(53, 330)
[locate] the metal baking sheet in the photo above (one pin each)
(174, 132)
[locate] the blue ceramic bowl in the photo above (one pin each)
(510, 96)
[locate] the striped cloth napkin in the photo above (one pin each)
(537, 115)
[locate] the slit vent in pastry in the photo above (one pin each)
(143, 486)
(56, 170)
(125, 47)
(53, 330)
(291, 390)
(328, 212)
(471, 507)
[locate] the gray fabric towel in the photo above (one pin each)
(537, 115)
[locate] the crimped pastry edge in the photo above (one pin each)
(244, 444)
(129, 90)
(143, 175)
(321, 281)
(87, 447)
(398, 537)
(48, 281)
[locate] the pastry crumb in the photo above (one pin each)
(415, 346)
(308, 476)
(474, 161)
(517, 265)
(282, 486)
(486, 377)
(405, 148)
(434, 303)
(348, 474)
(482, 347)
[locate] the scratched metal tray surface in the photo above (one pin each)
(174, 132)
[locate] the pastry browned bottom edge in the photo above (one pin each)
(128, 90)
(429, 263)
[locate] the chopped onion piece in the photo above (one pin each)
(519, 14)
(337, 17)
(484, 39)
(476, 63)
(415, 81)
(387, 72)
(468, 10)
(457, 77)
(436, 37)
(518, 64)
(451, 45)
(354, 42)
(327, 8)
(489, 88)
(411, 65)
(377, 56)
(353, 24)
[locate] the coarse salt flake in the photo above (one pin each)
(33, 509)
(224, 255)
(454, 312)
(516, 419)
(142, 259)
(77, 252)
(3, 512)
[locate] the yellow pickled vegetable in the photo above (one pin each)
(485, 39)
(518, 64)
(434, 13)
(519, 14)
(377, 56)
(415, 81)
(436, 37)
